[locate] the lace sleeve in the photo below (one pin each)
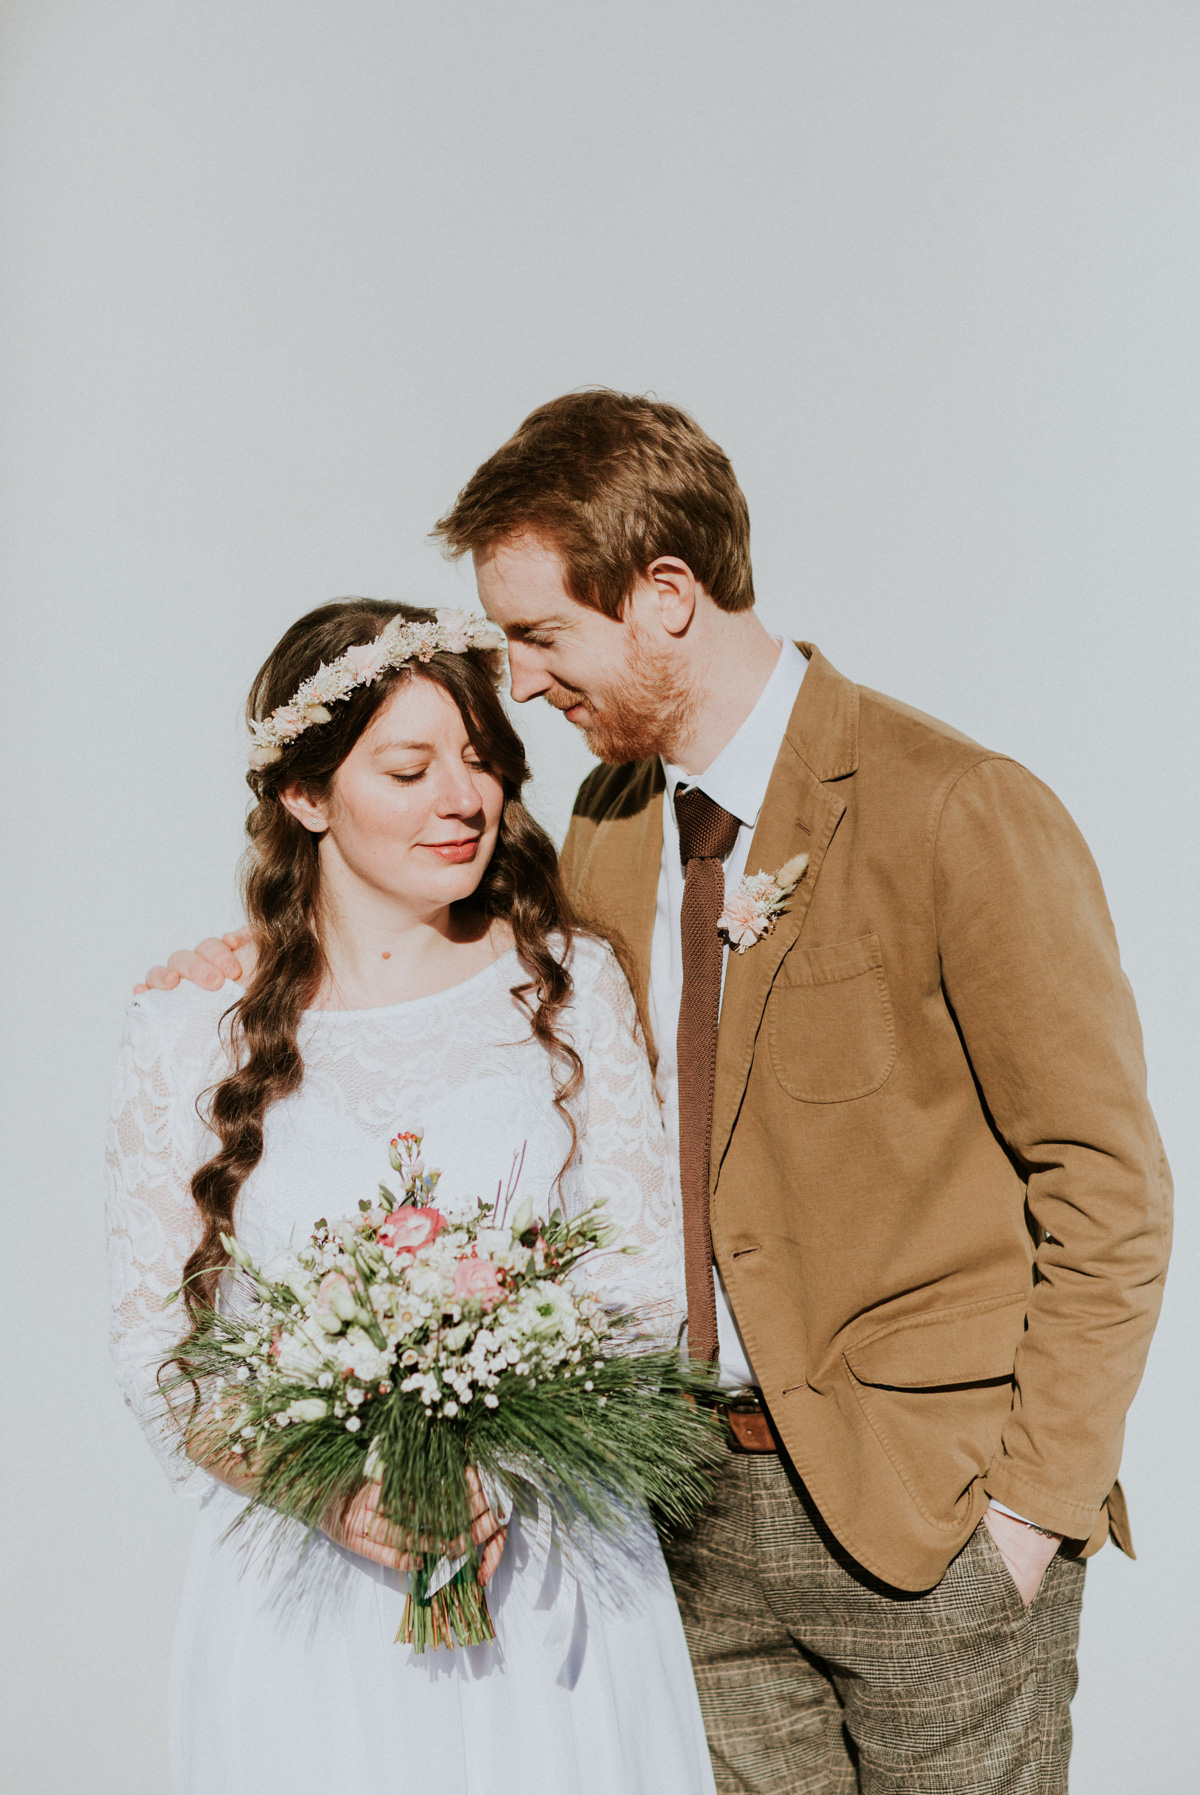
(152, 1225)
(623, 1152)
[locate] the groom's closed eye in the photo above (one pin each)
(535, 635)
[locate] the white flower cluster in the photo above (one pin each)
(452, 632)
(402, 1298)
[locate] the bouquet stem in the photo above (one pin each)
(456, 1615)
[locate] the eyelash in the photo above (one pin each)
(476, 766)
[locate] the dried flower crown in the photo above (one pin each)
(448, 632)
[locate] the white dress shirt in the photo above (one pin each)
(737, 780)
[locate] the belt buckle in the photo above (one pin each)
(748, 1424)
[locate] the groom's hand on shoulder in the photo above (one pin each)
(216, 959)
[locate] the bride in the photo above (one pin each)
(415, 967)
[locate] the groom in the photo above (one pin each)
(925, 1205)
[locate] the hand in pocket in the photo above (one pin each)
(1026, 1553)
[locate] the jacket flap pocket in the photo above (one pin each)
(972, 1343)
(834, 964)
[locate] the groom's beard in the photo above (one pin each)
(650, 712)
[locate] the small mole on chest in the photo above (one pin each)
(386, 954)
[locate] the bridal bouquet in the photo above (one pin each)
(400, 1346)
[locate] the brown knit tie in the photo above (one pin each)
(706, 835)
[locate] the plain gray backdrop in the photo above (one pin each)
(278, 276)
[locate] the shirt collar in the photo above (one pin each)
(738, 778)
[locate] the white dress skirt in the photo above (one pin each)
(284, 1676)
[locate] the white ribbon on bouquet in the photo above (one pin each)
(562, 1608)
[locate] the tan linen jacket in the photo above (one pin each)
(940, 1204)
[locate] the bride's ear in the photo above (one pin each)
(305, 809)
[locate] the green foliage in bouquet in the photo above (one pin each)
(401, 1348)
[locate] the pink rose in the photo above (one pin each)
(288, 721)
(477, 1278)
(333, 1280)
(456, 635)
(742, 919)
(407, 1230)
(365, 660)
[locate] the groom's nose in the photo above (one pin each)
(527, 678)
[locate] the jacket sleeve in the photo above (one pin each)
(581, 831)
(570, 857)
(1031, 970)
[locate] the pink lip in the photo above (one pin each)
(456, 852)
(574, 712)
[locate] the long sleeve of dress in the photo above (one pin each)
(153, 1224)
(623, 1152)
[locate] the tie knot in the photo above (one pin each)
(706, 832)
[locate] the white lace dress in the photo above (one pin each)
(285, 1679)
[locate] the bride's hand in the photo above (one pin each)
(216, 959)
(362, 1529)
(486, 1530)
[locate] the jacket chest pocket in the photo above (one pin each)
(830, 1030)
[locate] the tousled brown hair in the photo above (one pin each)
(281, 885)
(611, 481)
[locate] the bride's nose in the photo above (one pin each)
(457, 793)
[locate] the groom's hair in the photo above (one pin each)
(611, 481)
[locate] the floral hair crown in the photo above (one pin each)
(448, 632)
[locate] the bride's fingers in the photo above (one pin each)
(361, 1524)
(365, 1525)
(377, 1523)
(396, 1539)
(479, 1501)
(484, 1527)
(369, 1536)
(493, 1552)
(387, 1556)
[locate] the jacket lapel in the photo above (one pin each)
(799, 816)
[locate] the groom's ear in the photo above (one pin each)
(676, 590)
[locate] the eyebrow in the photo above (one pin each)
(395, 747)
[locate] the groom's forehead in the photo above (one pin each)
(523, 585)
(524, 564)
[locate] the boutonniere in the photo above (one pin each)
(752, 907)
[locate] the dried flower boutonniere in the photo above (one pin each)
(752, 907)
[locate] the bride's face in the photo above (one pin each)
(413, 813)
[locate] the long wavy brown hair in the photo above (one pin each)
(281, 890)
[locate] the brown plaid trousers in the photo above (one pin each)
(814, 1679)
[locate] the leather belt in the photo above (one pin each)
(749, 1424)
